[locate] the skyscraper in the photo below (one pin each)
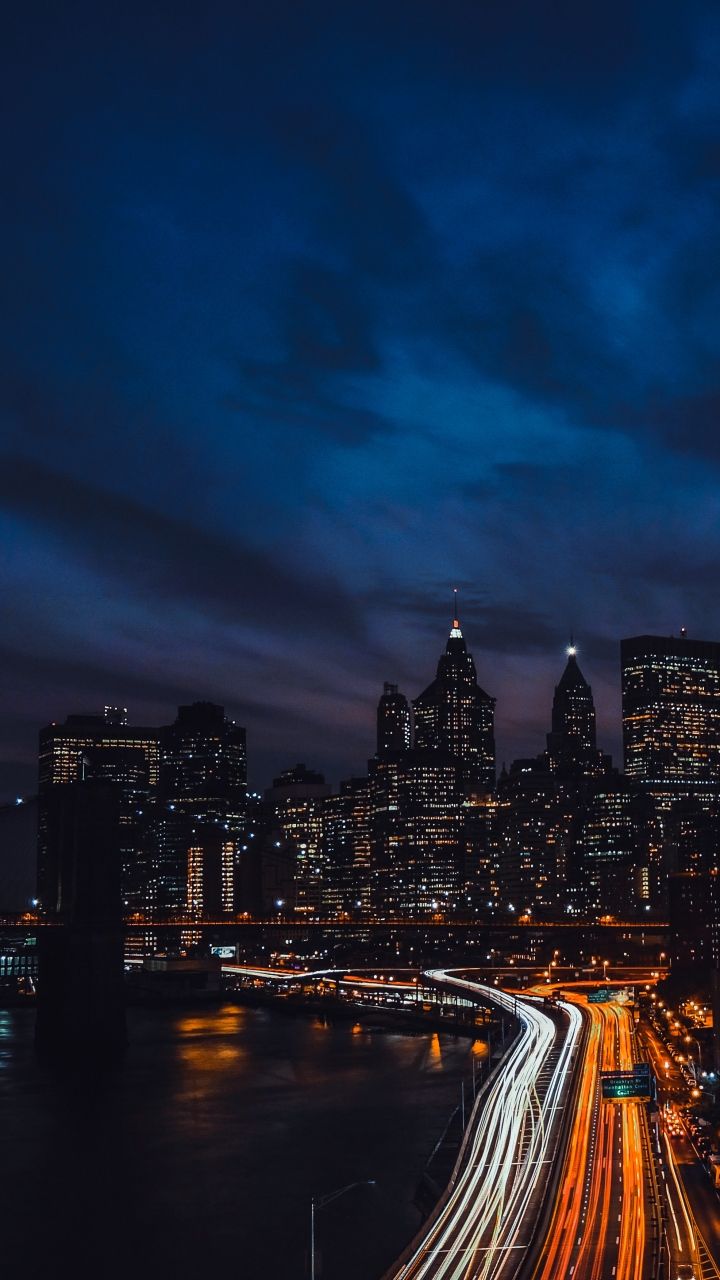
(203, 782)
(393, 722)
(103, 749)
(296, 800)
(455, 718)
(203, 765)
(210, 873)
(416, 834)
(671, 714)
(571, 745)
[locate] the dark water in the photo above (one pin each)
(199, 1156)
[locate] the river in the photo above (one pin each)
(199, 1155)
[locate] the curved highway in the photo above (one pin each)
(485, 1224)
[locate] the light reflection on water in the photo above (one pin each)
(206, 1146)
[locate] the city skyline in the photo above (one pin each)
(263, 763)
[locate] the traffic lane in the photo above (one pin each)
(584, 1233)
(671, 1084)
(702, 1196)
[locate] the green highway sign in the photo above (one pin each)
(617, 1085)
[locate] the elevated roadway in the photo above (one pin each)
(484, 1224)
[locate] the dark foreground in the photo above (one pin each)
(200, 1154)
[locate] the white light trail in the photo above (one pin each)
(477, 1234)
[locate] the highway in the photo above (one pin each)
(600, 1224)
(485, 1221)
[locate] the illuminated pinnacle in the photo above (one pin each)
(455, 633)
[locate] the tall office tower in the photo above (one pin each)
(531, 838)
(617, 867)
(671, 715)
(265, 866)
(296, 800)
(203, 765)
(692, 834)
(203, 779)
(210, 873)
(100, 748)
(393, 722)
(416, 835)
(456, 718)
(571, 745)
(346, 850)
(480, 864)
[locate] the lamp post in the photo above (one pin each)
(696, 1067)
(319, 1202)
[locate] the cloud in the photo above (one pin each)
(165, 557)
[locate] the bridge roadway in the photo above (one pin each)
(521, 925)
(486, 1219)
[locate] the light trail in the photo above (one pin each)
(599, 1228)
(479, 1234)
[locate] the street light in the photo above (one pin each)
(319, 1202)
(697, 1067)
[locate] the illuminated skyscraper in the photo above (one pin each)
(210, 873)
(671, 714)
(393, 722)
(416, 835)
(203, 780)
(102, 749)
(346, 849)
(296, 800)
(203, 765)
(455, 718)
(571, 745)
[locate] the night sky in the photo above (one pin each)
(315, 311)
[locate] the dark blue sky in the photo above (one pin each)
(317, 310)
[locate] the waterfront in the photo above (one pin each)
(201, 1151)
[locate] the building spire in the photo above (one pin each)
(455, 631)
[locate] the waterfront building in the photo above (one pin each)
(203, 781)
(102, 749)
(210, 872)
(296, 801)
(265, 864)
(346, 850)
